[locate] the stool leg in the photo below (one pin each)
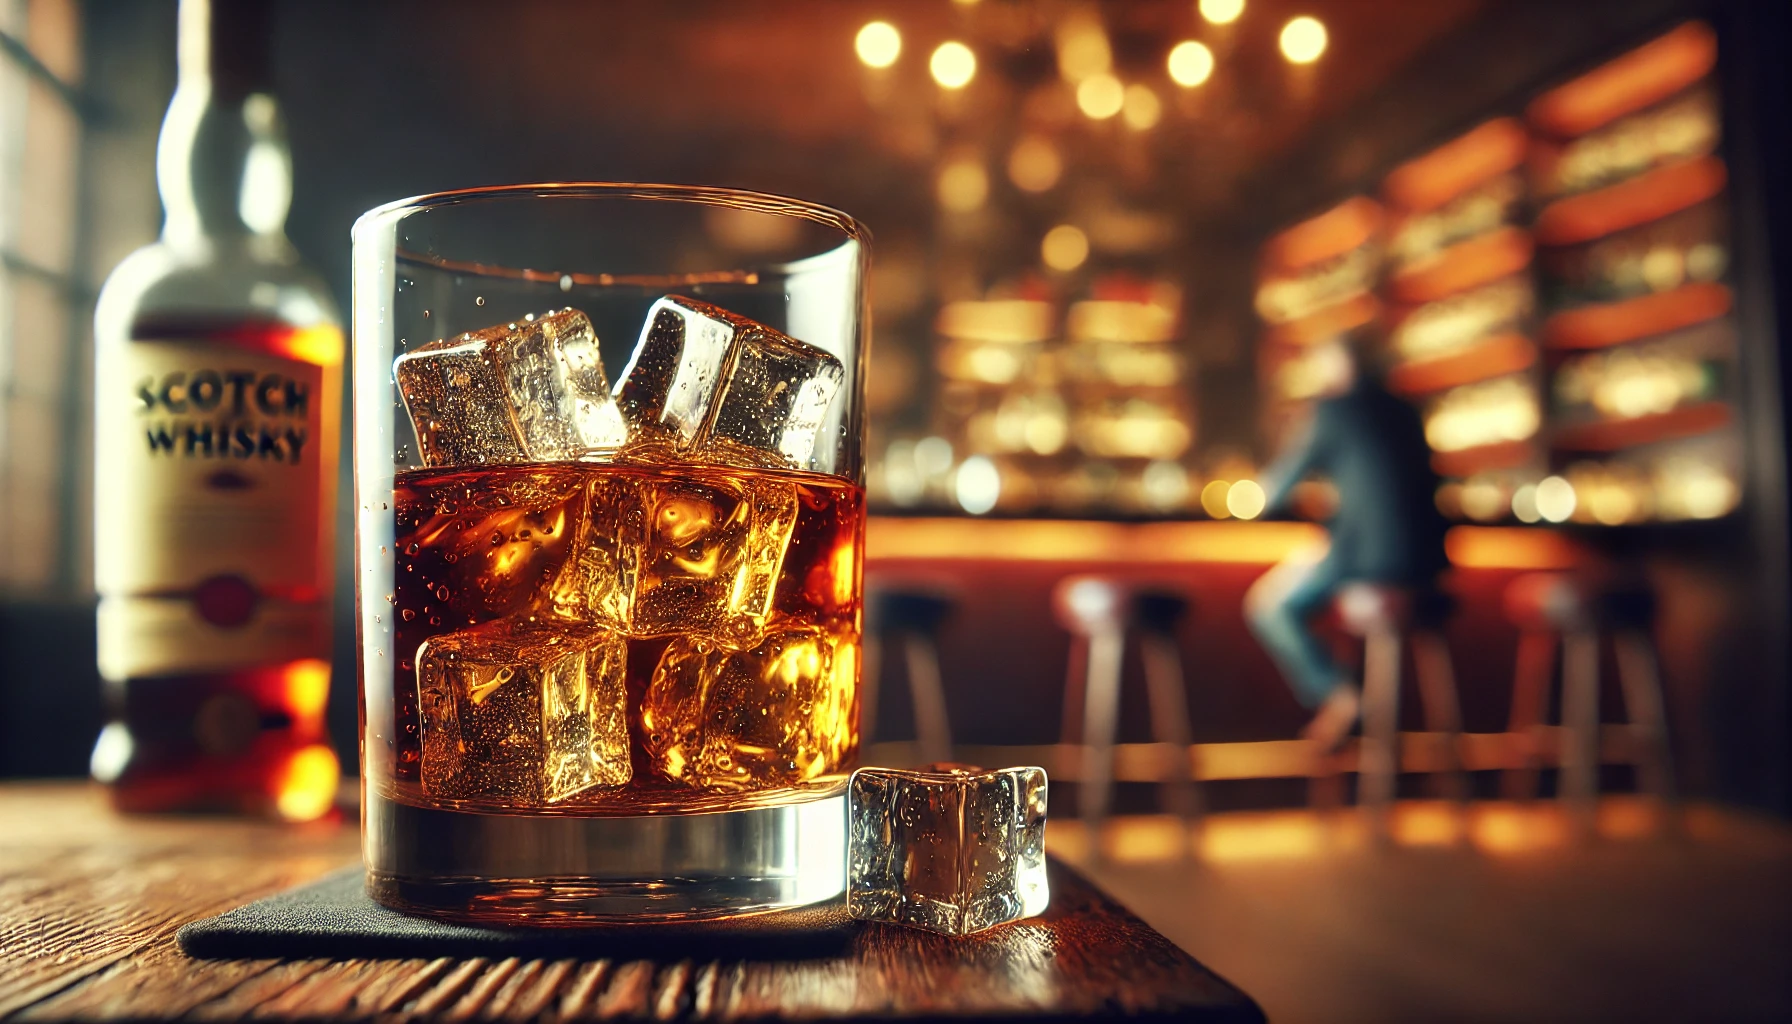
(1101, 714)
(1443, 711)
(1641, 679)
(929, 695)
(1169, 720)
(1580, 727)
(1530, 693)
(1379, 758)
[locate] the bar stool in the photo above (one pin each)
(1098, 611)
(1580, 611)
(1389, 618)
(909, 618)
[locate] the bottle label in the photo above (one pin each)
(211, 472)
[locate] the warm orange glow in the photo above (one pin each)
(1221, 12)
(1430, 181)
(1613, 323)
(1332, 233)
(1190, 63)
(1034, 165)
(1644, 76)
(953, 65)
(1469, 264)
(1100, 96)
(319, 345)
(878, 44)
(307, 687)
(1646, 197)
(1064, 248)
(307, 787)
(1040, 540)
(1303, 40)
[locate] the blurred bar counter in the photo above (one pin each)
(1004, 658)
(897, 541)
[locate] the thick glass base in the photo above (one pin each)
(561, 870)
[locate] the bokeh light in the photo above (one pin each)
(978, 485)
(1141, 108)
(1065, 248)
(1034, 165)
(1100, 96)
(878, 44)
(1555, 499)
(1303, 39)
(1190, 63)
(1213, 499)
(1222, 12)
(1524, 504)
(307, 786)
(953, 65)
(963, 186)
(1245, 499)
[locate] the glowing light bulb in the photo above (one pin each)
(953, 65)
(1100, 96)
(1190, 63)
(878, 44)
(1222, 12)
(1303, 40)
(1065, 248)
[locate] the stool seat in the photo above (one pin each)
(1557, 601)
(923, 611)
(1368, 607)
(1099, 612)
(1391, 617)
(1576, 612)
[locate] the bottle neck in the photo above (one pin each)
(222, 165)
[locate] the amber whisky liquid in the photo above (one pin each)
(725, 603)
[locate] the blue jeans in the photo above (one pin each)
(1279, 610)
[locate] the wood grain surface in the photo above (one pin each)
(89, 903)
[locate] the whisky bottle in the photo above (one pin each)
(218, 361)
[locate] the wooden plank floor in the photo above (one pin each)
(1506, 919)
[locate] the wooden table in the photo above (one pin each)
(89, 903)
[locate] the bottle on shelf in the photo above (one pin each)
(218, 358)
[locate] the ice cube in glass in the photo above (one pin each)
(779, 714)
(533, 390)
(523, 713)
(724, 389)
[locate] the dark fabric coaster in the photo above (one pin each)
(335, 918)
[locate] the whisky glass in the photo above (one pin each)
(610, 523)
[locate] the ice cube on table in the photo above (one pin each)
(533, 390)
(724, 389)
(523, 713)
(948, 848)
(709, 548)
(776, 715)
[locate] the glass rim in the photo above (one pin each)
(700, 195)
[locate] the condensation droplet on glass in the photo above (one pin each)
(528, 318)
(479, 300)
(426, 314)
(566, 282)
